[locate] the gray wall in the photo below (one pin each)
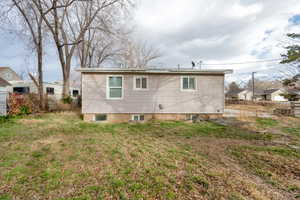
(163, 89)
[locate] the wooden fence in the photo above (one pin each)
(259, 103)
(295, 108)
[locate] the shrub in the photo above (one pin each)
(67, 100)
(23, 104)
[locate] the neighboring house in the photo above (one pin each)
(4, 85)
(274, 95)
(8, 74)
(234, 95)
(52, 90)
(294, 93)
(122, 95)
(245, 95)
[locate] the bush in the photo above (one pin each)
(67, 100)
(23, 104)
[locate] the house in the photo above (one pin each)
(4, 85)
(245, 95)
(122, 95)
(8, 74)
(52, 90)
(274, 95)
(233, 94)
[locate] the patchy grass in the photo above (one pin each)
(295, 131)
(58, 156)
(266, 122)
(278, 166)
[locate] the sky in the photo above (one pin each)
(214, 32)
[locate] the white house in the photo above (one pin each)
(52, 90)
(274, 95)
(245, 95)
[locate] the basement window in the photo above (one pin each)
(50, 90)
(100, 117)
(138, 117)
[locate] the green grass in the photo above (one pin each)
(58, 156)
(292, 131)
(266, 122)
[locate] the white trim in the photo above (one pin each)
(108, 88)
(156, 71)
(140, 89)
(188, 90)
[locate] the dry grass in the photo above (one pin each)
(57, 156)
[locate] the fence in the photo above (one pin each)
(3, 103)
(295, 108)
(259, 103)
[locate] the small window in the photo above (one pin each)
(115, 87)
(140, 83)
(138, 117)
(188, 83)
(50, 90)
(100, 117)
(75, 93)
(21, 90)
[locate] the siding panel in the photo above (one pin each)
(163, 89)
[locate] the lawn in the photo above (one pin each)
(58, 156)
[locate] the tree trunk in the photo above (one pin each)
(66, 86)
(40, 78)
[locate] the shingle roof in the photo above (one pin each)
(270, 91)
(4, 83)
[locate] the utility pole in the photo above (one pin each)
(253, 85)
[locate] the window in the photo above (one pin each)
(50, 90)
(115, 87)
(140, 83)
(188, 83)
(21, 90)
(100, 117)
(75, 93)
(138, 117)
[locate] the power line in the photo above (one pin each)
(249, 62)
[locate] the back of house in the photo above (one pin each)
(122, 95)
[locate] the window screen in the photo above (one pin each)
(141, 83)
(115, 84)
(188, 83)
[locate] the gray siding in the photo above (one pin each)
(163, 89)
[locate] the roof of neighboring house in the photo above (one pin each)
(270, 91)
(15, 75)
(154, 71)
(4, 83)
(294, 91)
(233, 93)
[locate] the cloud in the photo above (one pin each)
(214, 31)
(217, 31)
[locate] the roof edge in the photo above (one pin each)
(155, 71)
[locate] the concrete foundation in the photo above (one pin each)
(120, 118)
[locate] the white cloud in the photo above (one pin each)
(217, 31)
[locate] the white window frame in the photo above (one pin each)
(188, 90)
(108, 88)
(140, 89)
(139, 117)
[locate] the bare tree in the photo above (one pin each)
(138, 54)
(68, 21)
(28, 16)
